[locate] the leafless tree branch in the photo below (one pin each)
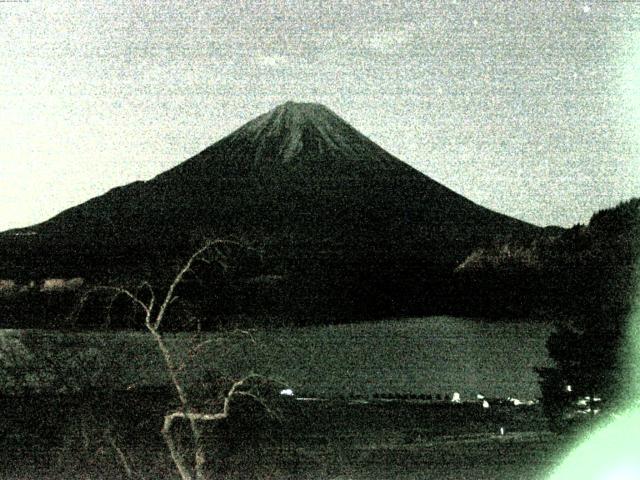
(153, 321)
(122, 457)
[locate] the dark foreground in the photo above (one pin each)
(117, 436)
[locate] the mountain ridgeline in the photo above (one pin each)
(342, 225)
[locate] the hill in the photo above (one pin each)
(585, 271)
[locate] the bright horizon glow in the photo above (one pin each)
(611, 453)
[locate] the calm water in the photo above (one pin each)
(435, 355)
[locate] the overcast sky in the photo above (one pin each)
(529, 108)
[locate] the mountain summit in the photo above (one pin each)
(301, 132)
(327, 203)
(306, 138)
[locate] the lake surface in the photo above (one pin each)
(433, 355)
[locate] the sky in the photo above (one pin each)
(530, 108)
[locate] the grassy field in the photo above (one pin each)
(390, 440)
(76, 437)
(512, 457)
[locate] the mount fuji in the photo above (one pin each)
(330, 207)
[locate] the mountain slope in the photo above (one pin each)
(322, 197)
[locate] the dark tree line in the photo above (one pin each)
(584, 280)
(596, 282)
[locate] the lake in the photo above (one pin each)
(433, 355)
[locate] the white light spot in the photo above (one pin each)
(475, 22)
(287, 392)
(485, 404)
(586, 8)
(501, 430)
(455, 398)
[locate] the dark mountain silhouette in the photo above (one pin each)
(332, 210)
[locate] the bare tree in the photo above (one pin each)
(144, 297)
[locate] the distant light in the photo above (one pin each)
(586, 8)
(287, 392)
(568, 388)
(455, 398)
(485, 404)
(501, 430)
(480, 396)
